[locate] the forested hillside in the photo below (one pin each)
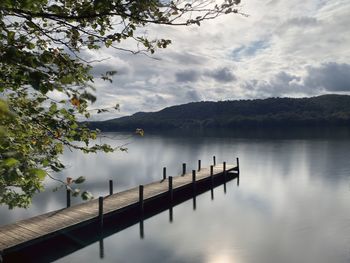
(325, 110)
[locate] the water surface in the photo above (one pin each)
(291, 205)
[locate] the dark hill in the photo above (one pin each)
(325, 110)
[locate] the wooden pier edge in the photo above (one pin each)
(37, 229)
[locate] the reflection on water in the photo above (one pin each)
(291, 204)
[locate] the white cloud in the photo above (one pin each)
(284, 48)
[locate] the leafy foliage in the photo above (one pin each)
(40, 46)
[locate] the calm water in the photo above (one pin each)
(292, 204)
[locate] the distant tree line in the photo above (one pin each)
(325, 110)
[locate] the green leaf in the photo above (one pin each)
(10, 36)
(30, 45)
(79, 180)
(10, 162)
(41, 174)
(76, 192)
(86, 195)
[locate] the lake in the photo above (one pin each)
(292, 204)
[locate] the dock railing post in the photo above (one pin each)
(212, 181)
(237, 161)
(214, 160)
(110, 187)
(224, 170)
(171, 188)
(194, 179)
(164, 173)
(100, 210)
(199, 165)
(68, 197)
(141, 198)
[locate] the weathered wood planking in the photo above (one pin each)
(40, 226)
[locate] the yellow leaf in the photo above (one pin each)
(57, 134)
(75, 101)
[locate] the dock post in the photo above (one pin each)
(68, 197)
(164, 173)
(214, 160)
(194, 179)
(110, 187)
(225, 179)
(183, 169)
(212, 181)
(141, 197)
(199, 165)
(237, 161)
(171, 188)
(100, 210)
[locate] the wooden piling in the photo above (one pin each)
(183, 169)
(194, 179)
(68, 198)
(141, 202)
(214, 160)
(237, 161)
(100, 210)
(171, 188)
(110, 187)
(224, 168)
(164, 173)
(212, 175)
(193, 176)
(199, 165)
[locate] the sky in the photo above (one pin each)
(296, 48)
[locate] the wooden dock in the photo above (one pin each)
(35, 229)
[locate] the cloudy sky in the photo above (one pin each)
(284, 48)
